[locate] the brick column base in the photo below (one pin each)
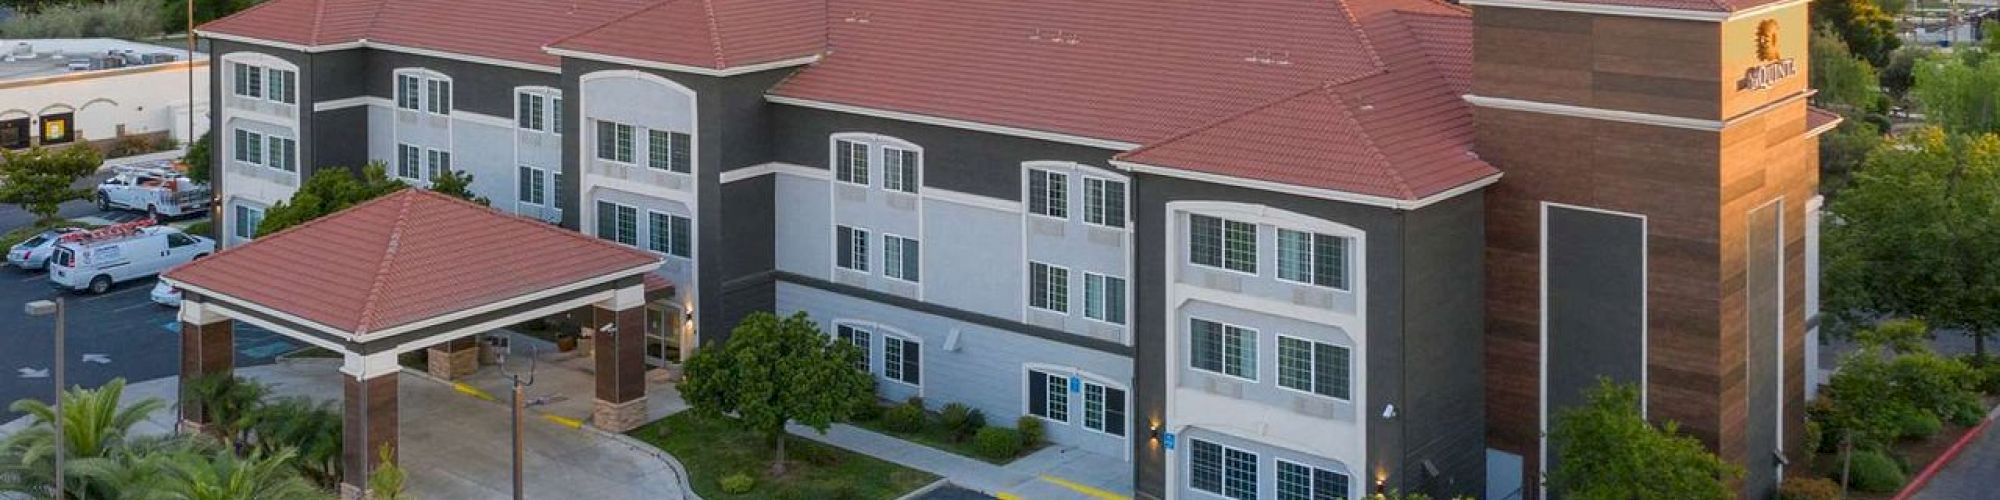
(619, 417)
(369, 421)
(454, 359)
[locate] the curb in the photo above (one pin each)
(919, 492)
(1924, 478)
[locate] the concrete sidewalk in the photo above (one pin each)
(1053, 472)
(458, 447)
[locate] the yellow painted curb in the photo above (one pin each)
(1007, 496)
(564, 421)
(1079, 488)
(472, 391)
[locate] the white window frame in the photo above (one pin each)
(906, 343)
(629, 148)
(893, 268)
(1312, 258)
(1102, 212)
(246, 77)
(426, 85)
(1125, 401)
(1223, 467)
(1027, 398)
(416, 162)
(1033, 293)
(668, 239)
(894, 179)
(535, 181)
(436, 163)
(281, 90)
(549, 100)
(1256, 245)
(859, 151)
(667, 164)
(1050, 199)
(281, 153)
(1251, 358)
(595, 224)
(239, 214)
(1312, 366)
(1124, 297)
(867, 344)
(247, 147)
(1312, 488)
(859, 258)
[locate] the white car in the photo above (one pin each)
(34, 252)
(95, 260)
(166, 295)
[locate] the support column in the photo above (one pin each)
(368, 420)
(454, 359)
(620, 341)
(207, 348)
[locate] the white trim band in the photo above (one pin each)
(1595, 113)
(682, 68)
(365, 43)
(1310, 192)
(956, 123)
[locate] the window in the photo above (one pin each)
(437, 163)
(282, 153)
(1314, 367)
(614, 141)
(901, 360)
(1223, 243)
(556, 115)
(670, 151)
(555, 197)
(531, 111)
(249, 80)
(1312, 258)
(670, 234)
(438, 93)
(899, 170)
(1104, 202)
(859, 338)
(1048, 193)
(533, 189)
(1048, 395)
(1104, 298)
(249, 147)
(247, 220)
(1103, 409)
(1226, 349)
(618, 223)
(1048, 287)
(1299, 482)
(283, 86)
(900, 257)
(1222, 470)
(407, 88)
(851, 162)
(408, 160)
(851, 248)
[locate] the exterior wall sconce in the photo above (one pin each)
(1388, 411)
(1153, 429)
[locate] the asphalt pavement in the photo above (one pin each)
(120, 333)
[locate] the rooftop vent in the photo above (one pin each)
(858, 17)
(1269, 57)
(1054, 36)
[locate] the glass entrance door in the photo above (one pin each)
(663, 339)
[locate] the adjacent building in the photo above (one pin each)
(1269, 249)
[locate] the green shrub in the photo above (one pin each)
(1919, 426)
(1875, 472)
(1989, 374)
(960, 421)
(997, 443)
(738, 483)
(1813, 435)
(917, 401)
(1808, 488)
(905, 418)
(1030, 429)
(1966, 411)
(866, 409)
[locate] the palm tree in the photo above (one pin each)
(95, 428)
(228, 403)
(225, 476)
(311, 427)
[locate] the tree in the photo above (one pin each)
(198, 158)
(1914, 235)
(328, 191)
(175, 14)
(94, 427)
(1842, 150)
(386, 483)
(1845, 82)
(1606, 450)
(774, 371)
(311, 427)
(226, 476)
(457, 184)
(1868, 29)
(1960, 95)
(39, 180)
(229, 405)
(1900, 74)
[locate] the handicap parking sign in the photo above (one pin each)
(1075, 384)
(1167, 440)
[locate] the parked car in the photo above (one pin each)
(166, 295)
(155, 190)
(34, 252)
(94, 260)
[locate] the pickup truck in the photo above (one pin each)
(156, 190)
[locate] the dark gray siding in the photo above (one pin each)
(1444, 396)
(955, 159)
(1385, 311)
(1764, 308)
(337, 75)
(479, 88)
(342, 137)
(1595, 304)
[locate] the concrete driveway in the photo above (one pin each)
(457, 447)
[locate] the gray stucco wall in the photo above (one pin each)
(970, 162)
(1595, 304)
(1764, 306)
(1445, 392)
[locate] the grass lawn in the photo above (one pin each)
(936, 436)
(712, 448)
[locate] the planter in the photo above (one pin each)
(566, 343)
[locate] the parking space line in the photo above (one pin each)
(113, 294)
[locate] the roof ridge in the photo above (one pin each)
(1225, 118)
(614, 20)
(368, 304)
(374, 19)
(1382, 161)
(714, 33)
(1361, 34)
(239, 13)
(319, 17)
(295, 227)
(537, 223)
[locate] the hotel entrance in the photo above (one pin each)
(665, 330)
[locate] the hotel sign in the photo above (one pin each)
(1771, 65)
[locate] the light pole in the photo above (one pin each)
(45, 308)
(518, 401)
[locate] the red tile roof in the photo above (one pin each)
(405, 257)
(512, 30)
(714, 34)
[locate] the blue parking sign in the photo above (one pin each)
(1167, 439)
(1075, 384)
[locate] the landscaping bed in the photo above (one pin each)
(716, 448)
(949, 434)
(1910, 455)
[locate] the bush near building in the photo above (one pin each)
(1607, 449)
(716, 447)
(1875, 472)
(113, 19)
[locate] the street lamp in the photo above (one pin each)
(520, 385)
(45, 308)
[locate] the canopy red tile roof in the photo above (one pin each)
(403, 258)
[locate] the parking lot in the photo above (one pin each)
(120, 333)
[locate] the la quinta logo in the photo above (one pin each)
(1771, 66)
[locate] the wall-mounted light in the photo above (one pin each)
(1388, 411)
(1381, 479)
(1153, 429)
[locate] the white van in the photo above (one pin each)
(92, 261)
